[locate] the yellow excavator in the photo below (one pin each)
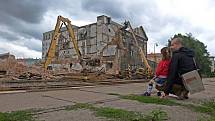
(52, 49)
(117, 40)
(148, 69)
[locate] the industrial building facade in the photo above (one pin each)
(93, 38)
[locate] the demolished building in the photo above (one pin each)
(6, 56)
(93, 38)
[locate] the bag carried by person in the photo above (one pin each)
(192, 81)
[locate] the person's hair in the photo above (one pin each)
(165, 53)
(178, 40)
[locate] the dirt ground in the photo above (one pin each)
(51, 102)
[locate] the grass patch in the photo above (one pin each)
(205, 118)
(200, 108)
(156, 115)
(120, 114)
(205, 107)
(123, 115)
(16, 116)
(208, 108)
(151, 100)
(80, 106)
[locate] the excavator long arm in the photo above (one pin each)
(51, 52)
(142, 55)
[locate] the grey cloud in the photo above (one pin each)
(2, 50)
(33, 44)
(142, 12)
(112, 8)
(22, 17)
(8, 36)
(30, 11)
(19, 27)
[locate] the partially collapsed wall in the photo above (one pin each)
(93, 38)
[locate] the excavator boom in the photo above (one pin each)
(142, 55)
(52, 49)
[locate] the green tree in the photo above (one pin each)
(201, 53)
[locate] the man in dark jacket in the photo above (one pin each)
(181, 62)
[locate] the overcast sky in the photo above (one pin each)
(22, 22)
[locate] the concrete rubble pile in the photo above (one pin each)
(12, 69)
(35, 73)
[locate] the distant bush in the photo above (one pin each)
(212, 74)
